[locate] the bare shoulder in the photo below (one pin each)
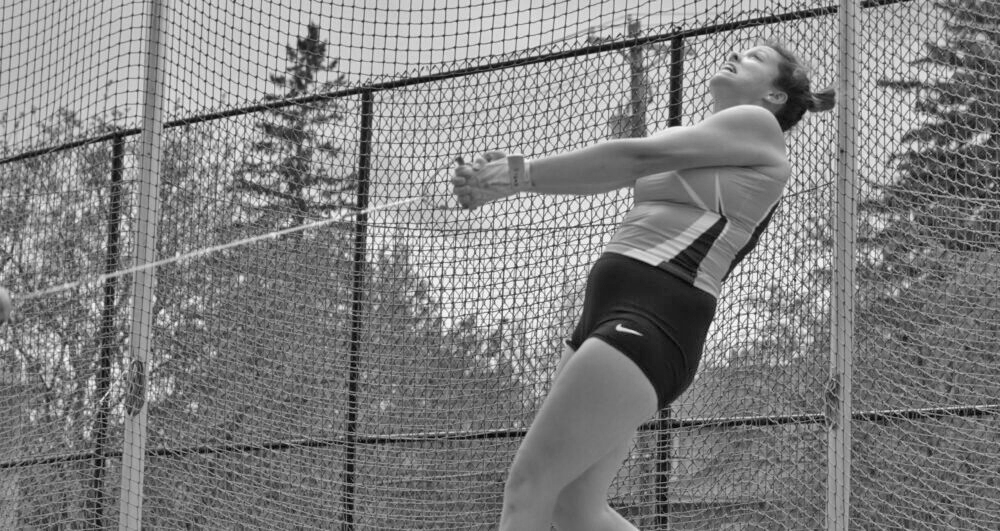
(744, 135)
(758, 128)
(749, 119)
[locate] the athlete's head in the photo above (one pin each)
(771, 76)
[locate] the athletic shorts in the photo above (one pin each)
(655, 318)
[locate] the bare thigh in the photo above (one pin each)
(597, 402)
(590, 489)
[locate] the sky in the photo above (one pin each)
(88, 56)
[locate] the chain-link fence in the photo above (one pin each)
(377, 369)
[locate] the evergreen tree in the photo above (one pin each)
(931, 231)
(945, 199)
(929, 300)
(292, 174)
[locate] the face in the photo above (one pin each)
(747, 77)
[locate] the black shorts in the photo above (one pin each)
(655, 318)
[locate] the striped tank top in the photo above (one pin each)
(698, 223)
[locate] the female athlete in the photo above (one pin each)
(703, 194)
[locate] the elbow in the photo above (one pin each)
(621, 163)
(640, 157)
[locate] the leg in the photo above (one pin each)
(594, 407)
(583, 504)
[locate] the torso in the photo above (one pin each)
(699, 223)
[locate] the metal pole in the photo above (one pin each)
(637, 83)
(98, 499)
(144, 281)
(838, 395)
(359, 265)
(664, 438)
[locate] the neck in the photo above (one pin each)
(725, 101)
(721, 105)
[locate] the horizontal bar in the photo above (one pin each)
(120, 133)
(880, 416)
(462, 72)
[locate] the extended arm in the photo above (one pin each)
(740, 136)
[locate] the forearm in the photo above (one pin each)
(594, 169)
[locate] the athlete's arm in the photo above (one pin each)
(745, 135)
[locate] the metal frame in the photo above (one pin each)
(144, 281)
(845, 233)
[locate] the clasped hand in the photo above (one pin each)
(486, 179)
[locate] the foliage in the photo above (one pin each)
(55, 214)
(248, 389)
(292, 170)
(943, 203)
(268, 357)
(929, 301)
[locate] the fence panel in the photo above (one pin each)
(377, 370)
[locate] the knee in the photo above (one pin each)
(578, 514)
(528, 486)
(525, 480)
(569, 513)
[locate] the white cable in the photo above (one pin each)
(207, 250)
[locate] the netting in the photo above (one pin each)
(377, 370)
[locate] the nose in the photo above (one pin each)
(734, 57)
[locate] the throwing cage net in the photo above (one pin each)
(323, 341)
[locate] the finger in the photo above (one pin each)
(460, 160)
(494, 155)
(465, 172)
(479, 163)
(465, 200)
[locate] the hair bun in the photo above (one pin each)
(823, 100)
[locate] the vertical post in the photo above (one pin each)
(664, 442)
(637, 83)
(358, 267)
(838, 395)
(144, 281)
(98, 500)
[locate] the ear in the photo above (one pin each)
(776, 97)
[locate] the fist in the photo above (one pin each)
(485, 180)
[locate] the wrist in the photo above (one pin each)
(520, 172)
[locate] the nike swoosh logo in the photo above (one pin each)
(622, 329)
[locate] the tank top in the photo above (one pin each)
(698, 223)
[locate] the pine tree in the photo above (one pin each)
(291, 176)
(945, 199)
(929, 300)
(925, 233)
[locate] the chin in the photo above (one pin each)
(719, 83)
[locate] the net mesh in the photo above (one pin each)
(377, 372)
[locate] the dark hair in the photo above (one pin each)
(793, 80)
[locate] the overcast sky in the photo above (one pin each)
(87, 56)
